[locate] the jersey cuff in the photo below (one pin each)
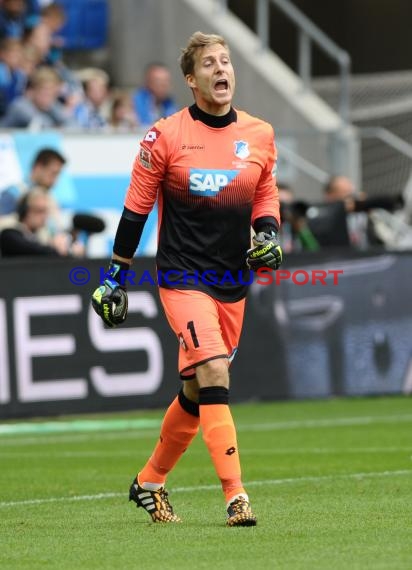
(266, 224)
(133, 216)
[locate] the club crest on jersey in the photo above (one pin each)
(208, 182)
(241, 149)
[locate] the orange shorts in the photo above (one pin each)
(205, 328)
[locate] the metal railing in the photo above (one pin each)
(308, 33)
(389, 138)
(302, 165)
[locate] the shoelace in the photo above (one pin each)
(165, 503)
(239, 505)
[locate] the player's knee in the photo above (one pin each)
(191, 390)
(213, 373)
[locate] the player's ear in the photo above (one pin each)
(191, 81)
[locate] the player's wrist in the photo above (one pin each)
(267, 225)
(117, 273)
(271, 234)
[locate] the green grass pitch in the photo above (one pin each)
(330, 482)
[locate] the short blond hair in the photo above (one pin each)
(197, 41)
(44, 75)
(88, 74)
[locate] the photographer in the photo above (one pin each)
(295, 234)
(20, 236)
(371, 221)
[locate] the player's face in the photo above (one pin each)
(213, 79)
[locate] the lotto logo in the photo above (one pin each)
(206, 182)
(151, 136)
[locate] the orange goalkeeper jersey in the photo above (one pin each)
(211, 183)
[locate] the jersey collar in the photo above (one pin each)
(213, 120)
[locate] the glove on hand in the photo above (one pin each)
(266, 253)
(110, 299)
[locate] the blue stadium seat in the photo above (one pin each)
(87, 23)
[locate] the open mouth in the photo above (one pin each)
(221, 85)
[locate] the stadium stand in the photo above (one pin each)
(381, 107)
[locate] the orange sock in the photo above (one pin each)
(179, 427)
(219, 434)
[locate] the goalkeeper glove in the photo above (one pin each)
(266, 253)
(110, 299)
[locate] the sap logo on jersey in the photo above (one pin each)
(207, 182)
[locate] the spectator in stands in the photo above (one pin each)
(31, 59)
(53, 17)
(16, 16)
(92, 112)
(39, 37)
(122, 115)
(342, 189)
(39, 108)
(45, 170)
(154, 100)
(12, 78)
(21, 235)
(295, 234)
(40, 49)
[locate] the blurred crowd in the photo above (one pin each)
(38, 90)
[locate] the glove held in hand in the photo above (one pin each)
(110, 299)
(266, 253)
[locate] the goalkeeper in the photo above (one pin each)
(210, 167)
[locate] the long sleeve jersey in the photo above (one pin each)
(213, 178)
